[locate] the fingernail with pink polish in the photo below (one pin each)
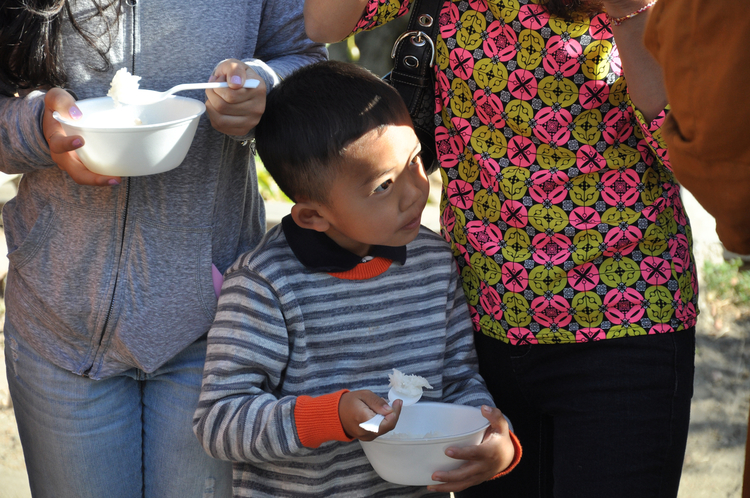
(113, 182)
(236, 80)
(77, 143)
(75, 113)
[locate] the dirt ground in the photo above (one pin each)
(715, 453)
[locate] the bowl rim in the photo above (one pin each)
(121, 129)
(439, 439)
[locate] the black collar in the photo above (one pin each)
(319, 252)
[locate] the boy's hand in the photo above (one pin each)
(62, 147)
(356, 407)
(485, 460)
(235, 110)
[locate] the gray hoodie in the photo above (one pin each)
(103, 279)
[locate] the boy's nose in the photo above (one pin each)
(415, 188)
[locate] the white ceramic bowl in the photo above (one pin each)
(415, 449)
(114, 145)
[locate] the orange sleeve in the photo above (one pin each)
(516, 457)
(317, 419)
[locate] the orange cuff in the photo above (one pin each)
(516, 457)
(317, 419)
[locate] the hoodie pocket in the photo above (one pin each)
(62, 266)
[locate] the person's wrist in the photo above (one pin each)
(620, 9)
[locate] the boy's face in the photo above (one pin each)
(379, 196)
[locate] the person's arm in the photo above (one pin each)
(642, 71)
(23, 148)
(500, 451)
(239, 416)
(702, 70)
(497, 454)
(282, 44)
(330, 21)
(461, 380)
(31, 139)
(280, 47)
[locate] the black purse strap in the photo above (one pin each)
(414, 53)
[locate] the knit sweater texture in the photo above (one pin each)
(285, 332)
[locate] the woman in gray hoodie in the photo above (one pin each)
(110, 290)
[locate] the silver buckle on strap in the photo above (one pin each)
(418, 38)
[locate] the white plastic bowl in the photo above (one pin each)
(415, 449)
(114, 145)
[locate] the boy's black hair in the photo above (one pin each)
(313, 115)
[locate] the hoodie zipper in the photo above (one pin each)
(87, 372)
(133, 4)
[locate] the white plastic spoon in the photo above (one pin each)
(146, 97)
(373, 425)
(407, 388)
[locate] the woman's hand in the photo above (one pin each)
(485, 460)
(62, 147)
(356, 407)
(235, 110)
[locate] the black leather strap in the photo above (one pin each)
(416, 81)
(408, 79)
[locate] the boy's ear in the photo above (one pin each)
(307, 214)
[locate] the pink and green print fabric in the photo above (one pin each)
(558, 199)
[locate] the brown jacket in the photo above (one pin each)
(702, 48)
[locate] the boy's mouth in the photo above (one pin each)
(413, 223)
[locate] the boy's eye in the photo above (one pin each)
(383, 186)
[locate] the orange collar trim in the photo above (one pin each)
(363, 271)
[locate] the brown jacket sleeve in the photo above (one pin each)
(702, 48)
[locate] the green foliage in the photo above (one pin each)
(370, 49)
(725, 281)
(352, 49)
(267, 186)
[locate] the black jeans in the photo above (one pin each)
(604, 419)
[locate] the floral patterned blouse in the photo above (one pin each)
(558, 199)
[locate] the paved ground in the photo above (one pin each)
(716, 444)
(714, 459)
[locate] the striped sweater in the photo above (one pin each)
(287, 336)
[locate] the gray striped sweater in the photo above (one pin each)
(283, 330)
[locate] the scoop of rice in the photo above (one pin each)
(123, 84)
(408, 385)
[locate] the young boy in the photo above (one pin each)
(346, 288)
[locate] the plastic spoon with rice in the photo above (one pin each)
(124, 89)
(407, 388)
